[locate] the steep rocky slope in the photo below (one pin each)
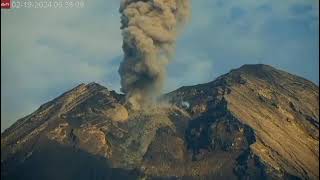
(255, 122)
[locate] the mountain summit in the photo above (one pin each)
(255, 122)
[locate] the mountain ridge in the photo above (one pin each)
(273, 135)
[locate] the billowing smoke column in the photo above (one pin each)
(149, 30)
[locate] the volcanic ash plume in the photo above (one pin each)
(149, 30)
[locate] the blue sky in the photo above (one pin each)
(45, 52)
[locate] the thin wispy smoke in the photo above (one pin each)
(149, 30)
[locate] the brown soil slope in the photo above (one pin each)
(255, 122)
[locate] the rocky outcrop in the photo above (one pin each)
(255, 122)
(274, 113)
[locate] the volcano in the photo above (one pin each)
(255, 122)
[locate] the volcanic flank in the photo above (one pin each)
(255, 122)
